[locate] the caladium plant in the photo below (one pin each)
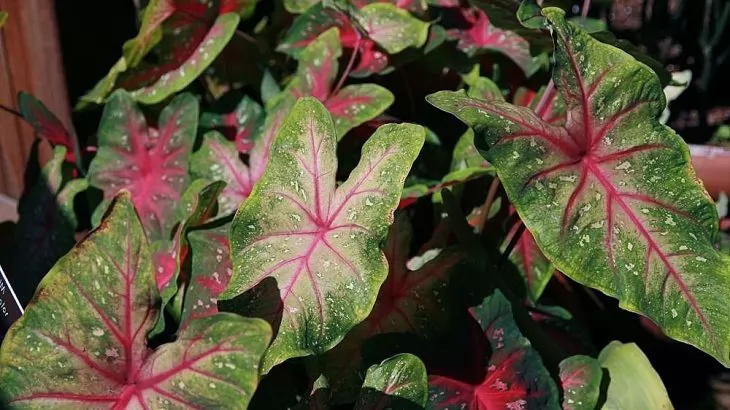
(290, 227)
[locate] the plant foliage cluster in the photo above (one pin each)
(272, 228)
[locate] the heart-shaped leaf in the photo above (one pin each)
(352, 105)
(192, 36)
(581, 380)
(151, 163)
(82, 341)
(46, 124)
(515, 377)
(218, 160)
(397, 383)
(310, 25)
(46, 225)
(611, 197)
(196, 207)
(319, 243)
(634, 383)
(482, 35)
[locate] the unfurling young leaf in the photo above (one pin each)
(515, 377)
(397, 383)
(318, 243)
(82, 341)
(151, 163)
(47, 223)
(350, 106)
(611, 197)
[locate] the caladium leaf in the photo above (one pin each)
(46, 124)
(634, 383)
(196, 207)
(218, 160)
(552, 110)
(150, 31)
(46, 225)
(82, 341)
(350, 106)
(409, 301)
(612, 185)
(246, 120)
(482, 35)
(192, 36)
(310, 25)
(515, 377)
(580, 377)
(397, 383)
(151, 163)
(391, 27)
(415, 6)
(211, 271)
(319, 243)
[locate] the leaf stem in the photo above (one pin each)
(512, 243)
(585, 8)
(12, 111)
(487, 207)
(350, 63)
(544, 102)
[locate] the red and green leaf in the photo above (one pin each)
(46, 225)
(196, 207)
(151, 163)
(82, 341)
(219, 160)
(46, 124)
(150, 31)
(350, 106)
(319, 242)
(551, 109)
(515, 376)
(310, 25)
(580, 377)
(246, 122)
(299, 6)
(210, 272)
(192, 36)
(399, 382)
(611, 197)
(482, 35)
(392, 28)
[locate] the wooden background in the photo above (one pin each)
(30, 60)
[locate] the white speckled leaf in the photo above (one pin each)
(151, 163)
(318, 242)
(610, 195)
(391, 27)
(400, 382)
(82, 342)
